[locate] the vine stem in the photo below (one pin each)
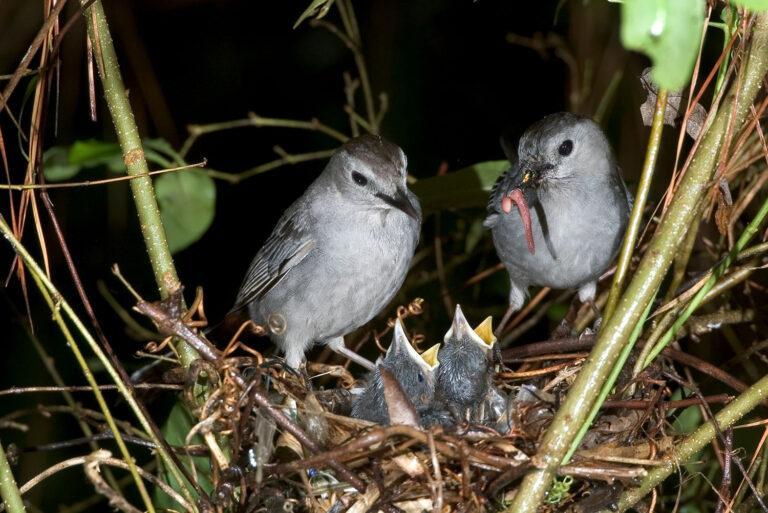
(9, 490)
(58, 304)
(133, 155)
(646, 280)
(636, 218)
(688, 448)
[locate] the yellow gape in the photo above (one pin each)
(430, 356)
(485, 331)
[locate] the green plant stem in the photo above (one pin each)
(9, 491)
(749, 232)
(683, 256)
(133, 155)
(646, 280)
(687, 449)
(636, 218)
(55, 306)
(57, 303)
(607, 386)
(666, 321)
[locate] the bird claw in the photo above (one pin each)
(563, 330)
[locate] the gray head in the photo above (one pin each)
(415, 372)
(563, 147)
(371, 171)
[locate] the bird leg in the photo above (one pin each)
(563, 330)
(337, 346)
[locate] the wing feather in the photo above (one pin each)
(289, 244)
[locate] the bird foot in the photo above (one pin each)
(562, 331)
(304, 373)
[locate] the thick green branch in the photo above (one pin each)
(646, 281)
(133, 154)
(9, 491)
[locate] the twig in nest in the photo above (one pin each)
(168, 315)
(263, 402)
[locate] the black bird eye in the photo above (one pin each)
(565, 148)
(359, 179)
(421, 377)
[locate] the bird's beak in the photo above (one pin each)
(399, 340)
(460, 329)
(485, 331)
(528, 178)
(400, 201)
(400, 343)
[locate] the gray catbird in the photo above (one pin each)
(414, 372)
(338, 254)
(573, 208)
(465, 371)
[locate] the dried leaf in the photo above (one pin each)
(313, 420)
(724, 207)
(672, 113)
(317, 9)
(410, 464)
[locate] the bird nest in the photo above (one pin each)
(277, 444)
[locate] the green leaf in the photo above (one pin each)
(175, 430)
(93, 153)
(465, 188)
(317, 9)
(159, 151)
(752, 5)
(187, 202)
(56, 165)
(669, 32)
(688, 420)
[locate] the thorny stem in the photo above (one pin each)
(9, 491)
(688, 448)
(636, 218)
(646, 281)
(133, 155)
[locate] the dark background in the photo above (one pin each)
(454, 85)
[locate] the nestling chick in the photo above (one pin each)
(466, 367)
(413, 371)
(572, 203)
(338, 255)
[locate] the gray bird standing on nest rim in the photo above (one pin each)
(338, 254)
